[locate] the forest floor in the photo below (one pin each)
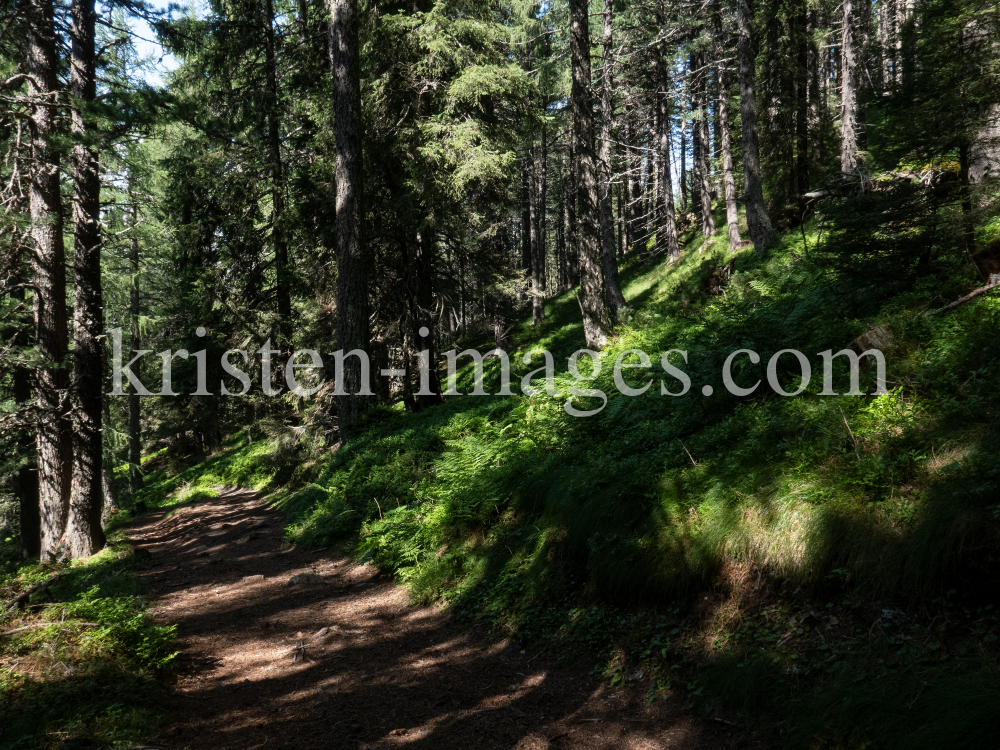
(341, 659)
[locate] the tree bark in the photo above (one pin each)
(26, 482)
(612, 286)
(761, 232)
(352, 262)
(848, 85)
(84, 536)
(281, 271)
(26, 479)
(53, 436)
(596, 318)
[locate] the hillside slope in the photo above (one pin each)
(839, 549)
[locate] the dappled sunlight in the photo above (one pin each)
(342, 659)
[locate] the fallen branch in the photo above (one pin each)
(19, 601)
(994, 281)
(723, 721)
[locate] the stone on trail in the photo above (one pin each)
(253, 579)
(306, 578)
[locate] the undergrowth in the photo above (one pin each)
(80, 666)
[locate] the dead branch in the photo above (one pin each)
(46, 624)
(19, 601)
(994, 281)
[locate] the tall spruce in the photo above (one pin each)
(597, 324)
(134, 404)
(848, 91)
(728, 176)
(352, 262)
(612, 286)
(53, 435)
(83, 534)
(758, 222)
(282, 272)
(699, 102)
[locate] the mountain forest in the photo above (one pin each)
(480, 374)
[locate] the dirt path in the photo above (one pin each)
(343, 661)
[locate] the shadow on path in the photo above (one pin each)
(342, 660)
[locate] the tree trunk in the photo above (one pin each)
(281, 271)
(620, 222)
(633, 191)
(666, 230)
(352, 263)
(728, 177)
(134, 405)
(538, 198)
(109, 490)
(572, 251)
(27, 495)
(685, 202)
(541, 216)
(802, 102)
(761, 232)
(984, 151)
(422, 315)
(654, 208)
(562, 262)
(53, 436)
(84, 536)
(526, 211)
(612, 286)
(700, 102)
(848, 85)
(26, 482)
(887, 48)
(968, 221)
(817, 113)
(303, 23)
(596, 318)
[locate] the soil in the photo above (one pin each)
(341, 659)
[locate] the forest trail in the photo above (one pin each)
(342, 660)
